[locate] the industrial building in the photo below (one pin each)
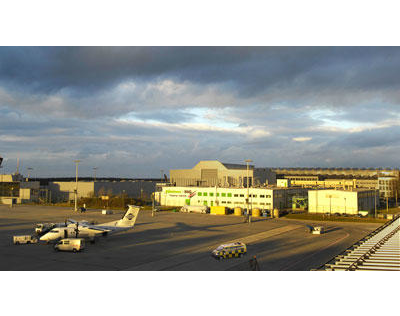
(356, 173)
(14, 189)
(266, 198)
(210, 173)
(342, 201)
(64, 191)
(387, 181)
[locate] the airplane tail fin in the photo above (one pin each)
(130, 216)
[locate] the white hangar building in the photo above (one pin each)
(209, 173)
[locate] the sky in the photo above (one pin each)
(134, 111)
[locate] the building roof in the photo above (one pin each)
(216, 164)
(236, 166)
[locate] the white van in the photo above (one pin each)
(70, 244)
(25, 239)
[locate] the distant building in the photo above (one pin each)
(14, 189)
(337, 173)
(387, 181)
(64, 191)
(388, 187)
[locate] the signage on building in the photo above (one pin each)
(182, 194)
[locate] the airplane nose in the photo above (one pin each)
(43, 238)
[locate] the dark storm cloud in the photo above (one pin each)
(87, 69)
(84, 69)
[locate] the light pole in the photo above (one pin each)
(152, 204)
(162, 172)
(76, 185)
(247, 199)
(344, 206)
(387, 204)
(330, 204)
(94, 169)
(375, 201)
(29, 173)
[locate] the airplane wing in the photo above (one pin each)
(74, 222)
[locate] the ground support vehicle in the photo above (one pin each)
(24, 239)
(194, 209)
(232, 250)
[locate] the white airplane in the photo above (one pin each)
(85, 230)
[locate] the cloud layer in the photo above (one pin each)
(132, 111)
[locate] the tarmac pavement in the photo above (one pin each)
(175, 241)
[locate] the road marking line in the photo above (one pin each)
(264, 235)
(314, 253)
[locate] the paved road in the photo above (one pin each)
(175, 241)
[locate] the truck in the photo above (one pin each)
(43, 228)
(194, 209)
(24, 239)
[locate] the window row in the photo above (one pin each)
(236, 203)
(230, 195)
